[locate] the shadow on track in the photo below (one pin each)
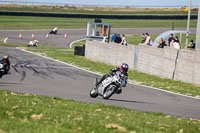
(128, 101)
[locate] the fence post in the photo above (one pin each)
(136, 58)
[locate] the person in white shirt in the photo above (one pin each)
(123, 42)
(148, 40)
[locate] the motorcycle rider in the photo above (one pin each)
(123, 69)
(5, 61)
(54, 31)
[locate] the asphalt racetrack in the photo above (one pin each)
(34, 74)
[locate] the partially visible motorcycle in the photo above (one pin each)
(33, 43)
(2, 70)
(109, 86)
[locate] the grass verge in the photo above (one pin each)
(134, 76)
(23, 113)
(20, 22)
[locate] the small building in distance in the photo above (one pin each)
(98, 31)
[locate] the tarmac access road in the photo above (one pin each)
(34, 74)
(72, 35)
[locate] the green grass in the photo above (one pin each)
(24, 113)
(134, 76)
(20, 22)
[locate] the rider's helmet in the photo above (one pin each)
(124, 67)
(5, 58)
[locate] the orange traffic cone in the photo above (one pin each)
(20, 36)
(65, 36)
(47, 36)
(33, 37)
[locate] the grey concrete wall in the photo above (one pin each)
(188, 66)
(184, 65)
(155, 61)
(112, 54)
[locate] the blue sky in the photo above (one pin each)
(145, 3)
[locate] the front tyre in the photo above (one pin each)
(93, 93)
(110, 90)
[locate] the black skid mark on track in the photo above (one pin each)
(15, 68)
(62, 72)
(14, 57)
(23, 75)
(23, 63)
(41, 74)
(22, 67)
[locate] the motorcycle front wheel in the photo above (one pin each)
(110, 90)
(93, 93)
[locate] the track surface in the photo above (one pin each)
(37, 75)
(72, 35)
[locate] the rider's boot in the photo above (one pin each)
(119, 91)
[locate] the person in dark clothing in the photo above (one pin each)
(5, 61)
(114, 38)
(143, 38)
(118, 39)
(171, 37)
(176, 39)
(123, 69)
(161, 43)
(192, 44)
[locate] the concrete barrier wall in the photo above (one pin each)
(170, 63)
(111, 53)
(159, 62)
(188, 67)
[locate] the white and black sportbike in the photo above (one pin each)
(109, 86)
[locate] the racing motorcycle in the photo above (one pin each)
(109, 86)
(54, 31)
(2, 70)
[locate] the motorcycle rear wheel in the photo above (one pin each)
(93, 93)
(110, 90)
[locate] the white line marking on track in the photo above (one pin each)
(85, 69)
(70, 45)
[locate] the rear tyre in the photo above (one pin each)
(93, 93)
(110, 90)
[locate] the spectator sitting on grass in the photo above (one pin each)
(192, 44)
(175, 43)
(143, 38)
(123, 42)
(114, 38)
(148, 40)
(161, 43)
(118, 39)
(176, 39)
